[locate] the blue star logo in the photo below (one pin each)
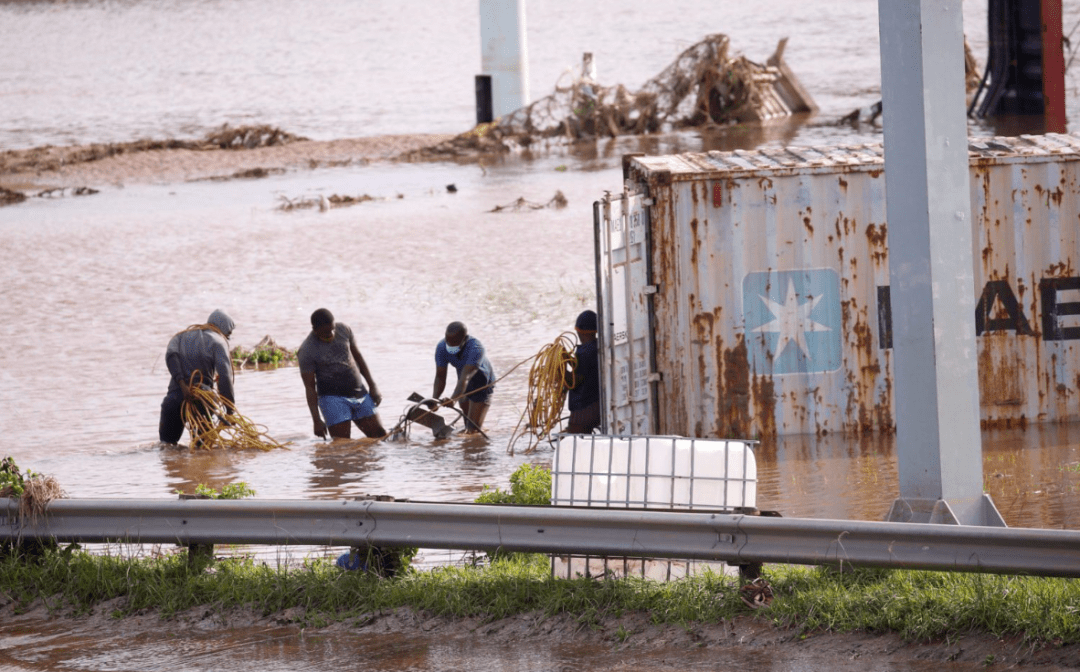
(792, 321)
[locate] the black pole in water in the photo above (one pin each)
(483, 99)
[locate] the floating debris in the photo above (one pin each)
(250, 137)
(557, 201)
(703, 86)
(49, 158)
(249, 174)
(322, 202)
(57, 192)
(9, 197)
(266, 354)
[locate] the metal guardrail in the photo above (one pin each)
(733, 538)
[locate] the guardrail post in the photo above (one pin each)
(199, 555)
(383, 561)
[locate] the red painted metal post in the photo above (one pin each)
(1053, 67)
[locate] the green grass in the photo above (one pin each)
(917, 605)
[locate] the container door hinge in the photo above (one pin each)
(650, 289)
(655, 377)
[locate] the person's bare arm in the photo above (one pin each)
(373, 389)
(313, 404)
(440, 382)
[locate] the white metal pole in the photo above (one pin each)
(931, 271)
(504, 53)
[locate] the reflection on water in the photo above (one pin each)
(126, 647)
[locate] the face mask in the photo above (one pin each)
(453, 349)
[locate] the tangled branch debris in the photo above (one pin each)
(557, 201)
(703, 86)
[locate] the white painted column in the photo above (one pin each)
(931, 271)
(504, 54)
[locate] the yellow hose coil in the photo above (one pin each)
(551, 369)
(201, 412)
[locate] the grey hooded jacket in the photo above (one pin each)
(203, 350)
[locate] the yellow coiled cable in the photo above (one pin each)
(548, 386)
(201, 412)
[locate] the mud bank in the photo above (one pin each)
(40, 168)
(630, 641)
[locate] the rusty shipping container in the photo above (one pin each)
(746, 294)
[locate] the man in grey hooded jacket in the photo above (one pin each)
(203, 348)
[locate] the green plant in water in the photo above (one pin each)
(238, 490)
(270, 354)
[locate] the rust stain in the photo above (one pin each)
(875, 173)
(1000, 372)
(806, 223)
(878, 238)
(733, 417)
(704, 322)
(1062, 269)
(695, 243)
(765, 405)
(843, 183)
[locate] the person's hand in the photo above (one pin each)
(320, 429)
(446, 401)
(184, 388)
(376, 396)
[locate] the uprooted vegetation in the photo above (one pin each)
(704, 86)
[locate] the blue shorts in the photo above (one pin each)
(336, 410)
(475, 383)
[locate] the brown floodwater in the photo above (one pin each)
(94, 288)
(270, 649)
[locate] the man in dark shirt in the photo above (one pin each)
(331, 367)
(583, 378)
(475, 377)
(203, 348)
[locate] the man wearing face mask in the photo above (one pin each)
(203, 348)
(331, 367)
(475, 377)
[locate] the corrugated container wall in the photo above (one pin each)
(758, 303)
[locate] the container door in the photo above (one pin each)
(622, 277)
